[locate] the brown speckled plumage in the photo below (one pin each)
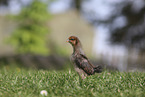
(81, 63)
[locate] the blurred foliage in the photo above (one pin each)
(4, 2)
(133, 33)
(77, 4)
(30, 36)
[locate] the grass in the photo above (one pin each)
(19, 82)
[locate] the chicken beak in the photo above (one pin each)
(67, 40)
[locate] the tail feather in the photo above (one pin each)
(98, 69)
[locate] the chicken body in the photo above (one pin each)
(81, 63)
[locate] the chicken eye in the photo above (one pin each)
(72, 39)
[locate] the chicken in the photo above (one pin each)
(81, 63)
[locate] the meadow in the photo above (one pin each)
(20, 82)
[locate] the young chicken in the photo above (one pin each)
(81, 63)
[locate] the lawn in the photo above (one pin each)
(18, 82)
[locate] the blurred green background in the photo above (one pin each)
(33, 33)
